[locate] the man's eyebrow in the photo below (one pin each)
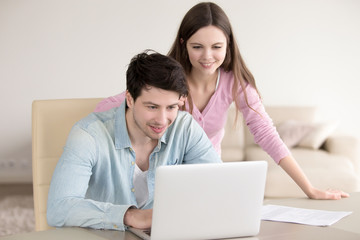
(151, 103)
(172, 105)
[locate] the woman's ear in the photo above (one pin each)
(129, 99)
(181, 41)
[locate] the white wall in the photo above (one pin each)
(303, 52)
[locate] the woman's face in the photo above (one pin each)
(207, 50)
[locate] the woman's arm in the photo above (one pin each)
(292, 168)
(265, 134)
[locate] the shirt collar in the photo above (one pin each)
(122, 139)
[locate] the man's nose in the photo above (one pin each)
(161, 117)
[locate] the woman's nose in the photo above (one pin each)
(207, 54)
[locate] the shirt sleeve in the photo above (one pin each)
(261, 125)
(110, 102)
(67, 205)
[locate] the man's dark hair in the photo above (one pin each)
(152, 69)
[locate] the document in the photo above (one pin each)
(301, 215)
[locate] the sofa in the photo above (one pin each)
(335, 164)
(329, 159)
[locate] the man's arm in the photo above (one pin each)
(67, 205)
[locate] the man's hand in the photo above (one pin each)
(138, 218)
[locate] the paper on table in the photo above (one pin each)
(301, 215)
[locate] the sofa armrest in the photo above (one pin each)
(345, 145)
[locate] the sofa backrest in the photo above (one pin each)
(232, 145)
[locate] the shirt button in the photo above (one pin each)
(115, 226)
(132, 163)
(133, 189)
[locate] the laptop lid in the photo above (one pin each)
(207, 201)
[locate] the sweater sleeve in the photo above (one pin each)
(110, 102)
(261, 125)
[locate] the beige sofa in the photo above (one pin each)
(335, 164)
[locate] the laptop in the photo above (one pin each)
(207, 201)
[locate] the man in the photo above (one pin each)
(105, 176)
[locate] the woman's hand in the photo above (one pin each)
(330, 194)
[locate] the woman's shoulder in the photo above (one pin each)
(110, 102)
(226, 74)
(226, 80)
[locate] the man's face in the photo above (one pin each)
(152, 112)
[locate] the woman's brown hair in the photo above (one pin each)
(209, 14)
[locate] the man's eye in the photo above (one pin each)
(151, 107)
(173, 107)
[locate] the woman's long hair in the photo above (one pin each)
(209, 14)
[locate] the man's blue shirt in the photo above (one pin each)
(92, 185)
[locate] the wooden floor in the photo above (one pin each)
(16, 189)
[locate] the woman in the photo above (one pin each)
(217, 75)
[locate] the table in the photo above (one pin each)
(350, 223)
(347, 228)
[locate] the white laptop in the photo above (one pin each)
(207, 201)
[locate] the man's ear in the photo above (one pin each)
(129, 99)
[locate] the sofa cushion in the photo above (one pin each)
(317, 136)
(292, 132)
(278, 114)
(231, 154)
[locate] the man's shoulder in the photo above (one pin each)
(184, 122)
(184, 116)
(97, 118)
